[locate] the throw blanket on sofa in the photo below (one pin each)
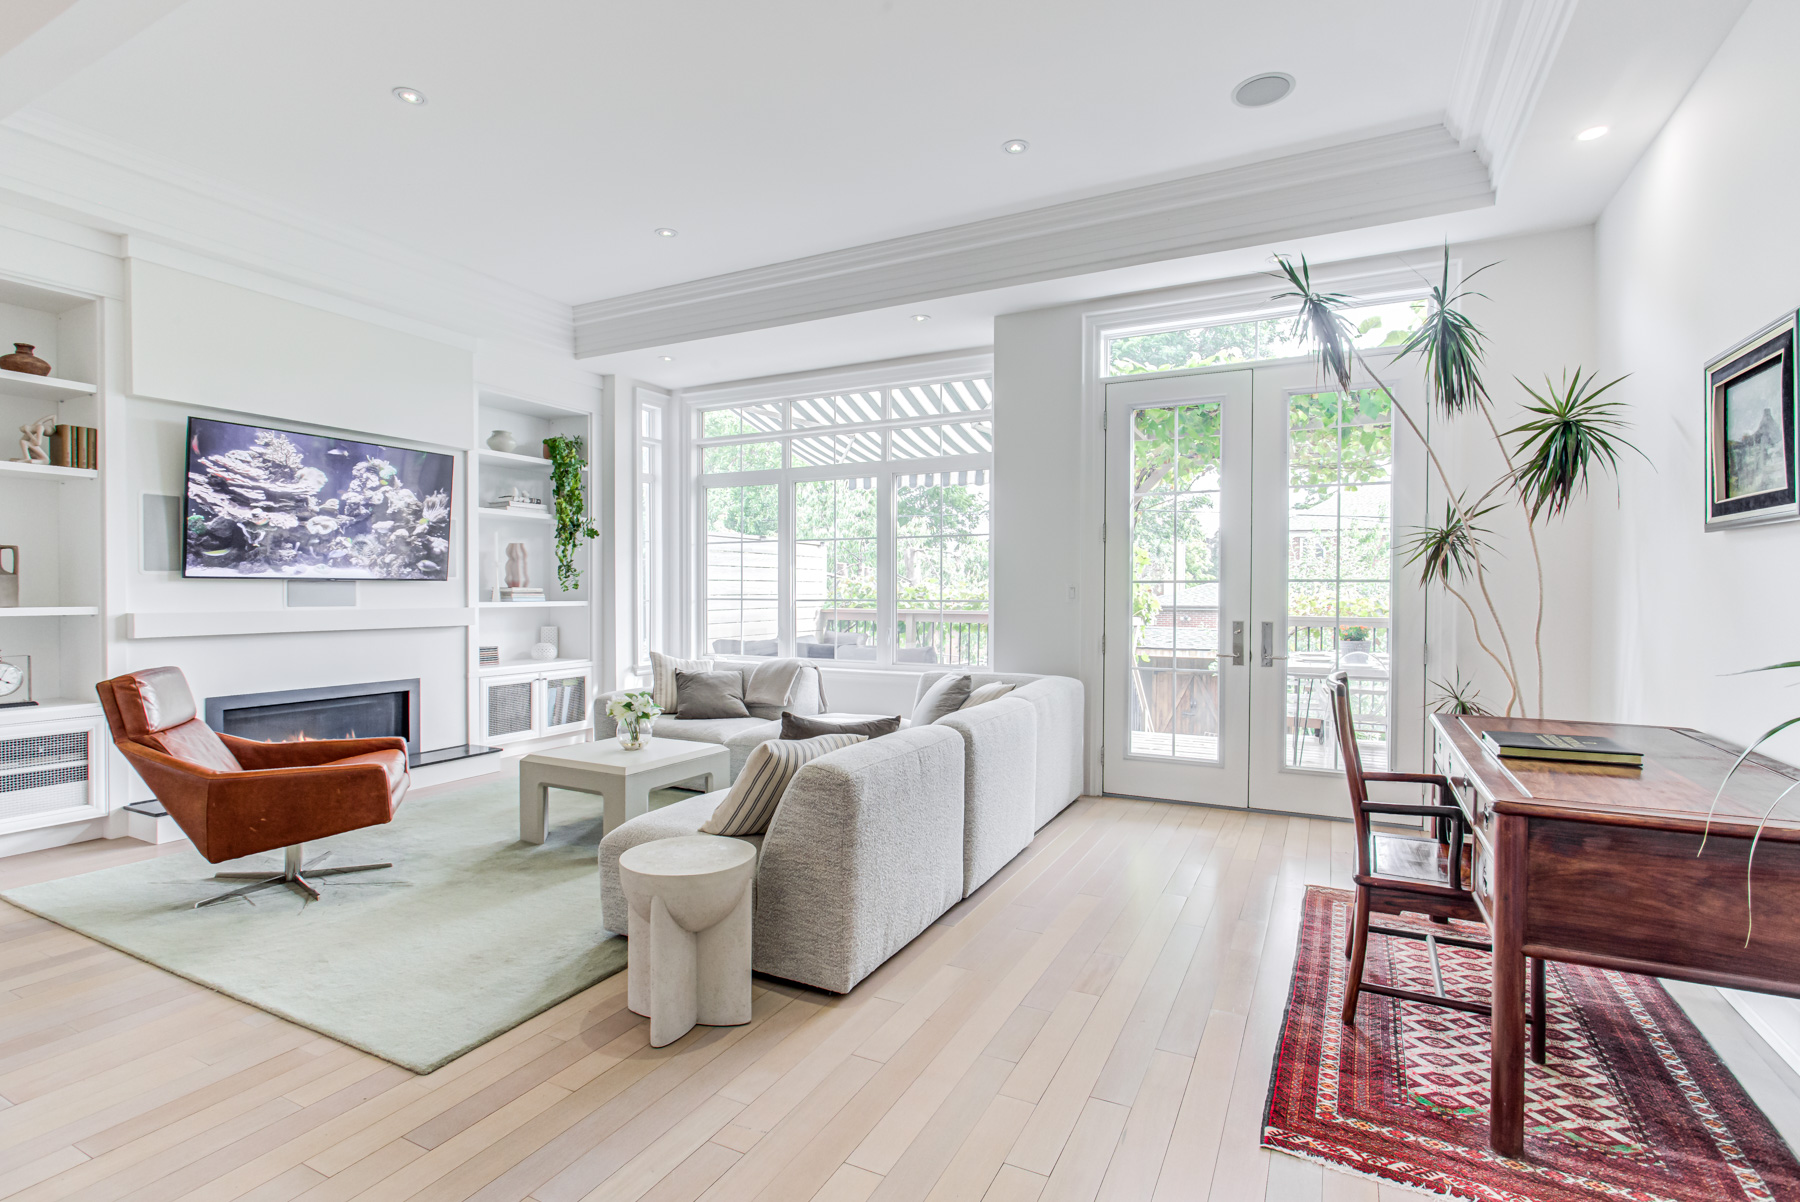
(772, 683)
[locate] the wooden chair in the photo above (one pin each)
(1398, 873)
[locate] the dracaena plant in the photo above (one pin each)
(1569, 436)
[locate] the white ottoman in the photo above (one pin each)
(689, 933)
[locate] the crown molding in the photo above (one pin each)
(1506, 57)
(54, 163)
(1371, 181)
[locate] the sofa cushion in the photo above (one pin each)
(945, 696)
(662, 678)
(802, 726)
(710, 695)
(667, 822)
(992, 691)
(758, 788)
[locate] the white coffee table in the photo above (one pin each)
(623, 778)
(689, 933)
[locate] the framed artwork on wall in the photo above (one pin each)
(1750, 431)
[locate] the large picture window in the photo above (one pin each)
(849, 526)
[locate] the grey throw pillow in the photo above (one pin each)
(710, 695)
(799, 726)
(944, 697)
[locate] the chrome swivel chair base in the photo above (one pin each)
(292, 876)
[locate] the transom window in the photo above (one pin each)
(1254, 340)
(849, 526)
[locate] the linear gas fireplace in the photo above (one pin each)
(355, 711)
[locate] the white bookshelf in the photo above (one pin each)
(513, 626)
(54, 516)
(45, 471)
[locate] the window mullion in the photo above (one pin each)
(886, 577)
(786, 550)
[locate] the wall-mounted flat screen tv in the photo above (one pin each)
(265, 503)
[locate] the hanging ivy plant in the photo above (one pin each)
(567, 459)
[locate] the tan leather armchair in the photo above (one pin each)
(236, 797)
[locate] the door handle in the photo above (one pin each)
(1236, 655)
(1268, 645)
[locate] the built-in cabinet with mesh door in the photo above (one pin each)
(517, 706)
(49, 774)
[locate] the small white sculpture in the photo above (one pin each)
(32, 445)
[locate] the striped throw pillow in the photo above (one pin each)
(752, 801)
(987, 692)
(662, 678)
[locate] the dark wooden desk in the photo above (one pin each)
(1593, 865)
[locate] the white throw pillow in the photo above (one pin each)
(662, 678)
(988, 692)
(751, 803)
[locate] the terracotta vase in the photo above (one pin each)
(23, 360)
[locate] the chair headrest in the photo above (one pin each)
(153, 700)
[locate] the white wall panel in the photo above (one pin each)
(196, 341)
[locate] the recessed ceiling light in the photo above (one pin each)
(663, 231)
(409, 95)
(667, 358)
(1016, 146)
(1263, 89)
(921, 317)
(1592, 132)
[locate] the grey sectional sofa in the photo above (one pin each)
(872, 843)
(864, 852)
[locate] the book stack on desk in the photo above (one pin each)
(1571, 749)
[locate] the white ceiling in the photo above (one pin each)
(561, 133)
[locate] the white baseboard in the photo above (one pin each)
(20, 842)
(1776, 1019)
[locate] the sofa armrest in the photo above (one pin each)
(1000, 765)
(306, 753)
(864, 852)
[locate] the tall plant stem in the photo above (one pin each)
(1509, 668)
(1537, 559)
(1475, 625)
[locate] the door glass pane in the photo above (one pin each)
(743, 570)
(1175, 514)
(1340, 554)
(941, 568)
(834, 569)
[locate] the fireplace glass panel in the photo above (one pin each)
(370, 716)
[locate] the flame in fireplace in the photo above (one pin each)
(301, 736)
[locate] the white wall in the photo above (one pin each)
(1536, 304)
(1699, 249)
(197, 341)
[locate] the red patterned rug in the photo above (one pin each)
(1633, 1103)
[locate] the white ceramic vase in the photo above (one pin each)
(502, 440)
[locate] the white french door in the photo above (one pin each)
(1252, 517)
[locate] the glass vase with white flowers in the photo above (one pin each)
(634, 712)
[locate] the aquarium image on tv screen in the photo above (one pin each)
(264, 502)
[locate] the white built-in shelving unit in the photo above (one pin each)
(52, 758)
(519, 698)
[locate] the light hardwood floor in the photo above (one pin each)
(1097, 1022)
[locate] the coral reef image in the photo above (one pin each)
(278, 503)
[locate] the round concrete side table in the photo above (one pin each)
(689, 933)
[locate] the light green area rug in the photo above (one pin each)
(469, 934)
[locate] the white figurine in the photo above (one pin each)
(32, 445)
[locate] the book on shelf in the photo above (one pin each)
(521, 594)
(1574, 749)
